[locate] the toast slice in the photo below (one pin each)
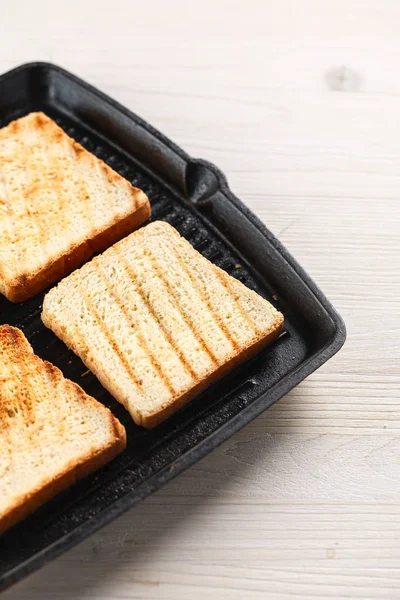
(51, 432)
(59, 204)
(156, 322)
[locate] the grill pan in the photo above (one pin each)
(193, 196)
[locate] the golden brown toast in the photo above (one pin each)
(156, 322)
(51, 431)
(59, 204)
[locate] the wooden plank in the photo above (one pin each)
(298, 103)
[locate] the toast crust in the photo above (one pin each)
(151, 420)
(26, 503)
(73, 472)
(253, 339)
(28, 285)
(24, 283)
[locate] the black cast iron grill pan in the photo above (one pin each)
(193, 196)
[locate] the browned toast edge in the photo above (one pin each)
(152, 420)
(27, 285)
(89, 463)
(42, 494)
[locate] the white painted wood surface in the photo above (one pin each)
(299, 103)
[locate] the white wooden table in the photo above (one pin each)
(299, 103)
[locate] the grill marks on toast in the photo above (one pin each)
(110, 338)
(5, 213)
(133, 324)
(43, 160)
(69, 186)
(199, 280)
(11, 259)
(187, 318)
(148, 304)
(35, 220)
(23, 195)
(225, 283)
(52, 184)
(160, 322)
(94, 188)
(200, 285)
(202, 292)
(51, 431)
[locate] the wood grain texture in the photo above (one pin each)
(298, 103)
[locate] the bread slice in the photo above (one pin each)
(59, 204)
(156, 322)
(51, 432)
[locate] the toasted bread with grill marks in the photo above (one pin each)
(156, 322)
(51, 432)
(59, 204)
